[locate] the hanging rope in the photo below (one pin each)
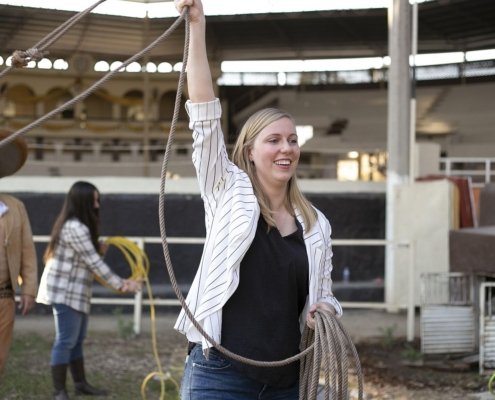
(21, 58)
(330, 334)
(95, 85)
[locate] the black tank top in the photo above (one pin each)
(261, 319)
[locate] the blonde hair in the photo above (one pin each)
(240, 156)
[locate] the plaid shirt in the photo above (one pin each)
(68, 275)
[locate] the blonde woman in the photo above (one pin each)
(266, 262)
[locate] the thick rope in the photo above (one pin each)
(331, 336)
(21, 58)
(331, 353)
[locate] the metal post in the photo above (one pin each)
(412, 169)
(412, 125)
(487, 172)
(411, 300)
(398, 128)
(138, 298)
(482, 327)
(146, 105)
(138, 301)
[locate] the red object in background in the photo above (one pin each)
(467, 217)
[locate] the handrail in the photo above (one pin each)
(480, 169)
(138, 301)
(485, 168)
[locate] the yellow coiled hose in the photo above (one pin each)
(139, 265)
(490, 384)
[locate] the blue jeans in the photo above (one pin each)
(70, 331)
(215, 379)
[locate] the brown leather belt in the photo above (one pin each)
(6, 291)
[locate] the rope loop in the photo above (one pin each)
(21, 58)
(327, 367)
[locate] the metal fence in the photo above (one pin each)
(481, 170)
(138, 302)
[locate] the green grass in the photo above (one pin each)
(117, 364)
(25, 371)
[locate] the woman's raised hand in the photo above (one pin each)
(195, 9)
(199, 82)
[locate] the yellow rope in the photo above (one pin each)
(490, 384)
(139, 265)
(136, 259)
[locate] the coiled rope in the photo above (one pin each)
(136, 259)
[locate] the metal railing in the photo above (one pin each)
(131, 156)
(481, 170)
(138, 302)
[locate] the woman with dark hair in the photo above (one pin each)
(72, 258)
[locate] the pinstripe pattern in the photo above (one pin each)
(68, 275)
(231, 218)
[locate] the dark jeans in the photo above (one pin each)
(215, 379)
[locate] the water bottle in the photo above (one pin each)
(346, 274)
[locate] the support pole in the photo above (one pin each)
(398, 142)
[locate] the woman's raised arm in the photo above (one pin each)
(199, 81)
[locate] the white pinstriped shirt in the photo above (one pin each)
(231, 217)
(68, 275)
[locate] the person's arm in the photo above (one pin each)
(326, 300)
(199, 81)
(29, 267)
(209, 155)
(77, 235)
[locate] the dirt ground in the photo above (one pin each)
(392, 367)
(390, 370)
(396, 370)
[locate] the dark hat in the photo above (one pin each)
(13, 155)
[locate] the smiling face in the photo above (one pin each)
(275, 153)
